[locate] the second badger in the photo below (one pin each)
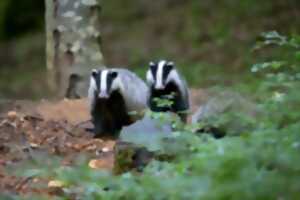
(114, 95)
(164, 80)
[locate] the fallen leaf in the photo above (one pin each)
(12, 115)
(99, 164)
(55, 183)
(34, 145)
(105, 149)
(91, 147)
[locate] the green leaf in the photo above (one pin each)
(297, 55)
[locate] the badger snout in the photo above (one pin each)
(159, 87)
(103, 95)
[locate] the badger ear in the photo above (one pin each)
(114, 74)
(94, 73)
(170, 65)
(152, 64)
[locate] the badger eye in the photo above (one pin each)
(114, 74)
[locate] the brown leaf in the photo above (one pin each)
(99, 164)
(12, 115)
(105, 149)
(55, 183)
(34, 145)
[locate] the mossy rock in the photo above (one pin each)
(227, 113)
(139, 143)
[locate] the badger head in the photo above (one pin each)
(101, 83)
(160, 74)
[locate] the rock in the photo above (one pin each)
(139, 143)
(56, 187)
(226, 113)
(147, 132)
(129, 156)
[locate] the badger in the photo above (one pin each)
(114, 95)
(166, 83)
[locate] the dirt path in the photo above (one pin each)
(38, 130)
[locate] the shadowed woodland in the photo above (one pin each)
(199, 36)
(241, 140)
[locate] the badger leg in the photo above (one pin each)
(98, 127)
(119, 112)
(181, 107)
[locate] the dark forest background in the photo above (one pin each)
(211, 41)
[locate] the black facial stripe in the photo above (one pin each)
(166, 71)
(154, 69)
(109, 82)
(110, 78)
(98, 79)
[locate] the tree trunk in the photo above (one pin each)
(73, 45)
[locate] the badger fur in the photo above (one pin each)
(164, 80)
(114, 94)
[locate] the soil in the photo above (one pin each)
(32, 131)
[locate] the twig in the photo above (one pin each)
(22, 182)
(83, 122)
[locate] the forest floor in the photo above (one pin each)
(38, 130)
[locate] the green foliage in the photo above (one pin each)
(165, 101)
(206, 168)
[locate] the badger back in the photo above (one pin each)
(133, 89)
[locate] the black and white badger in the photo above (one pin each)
(165, 82)
(114, 94)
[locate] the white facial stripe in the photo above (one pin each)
(103, 84)
(149, 77)
(159, 75)
(92, 89)
(174, 76)
(93, 84)
(116, 84)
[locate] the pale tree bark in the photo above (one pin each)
(73, 44)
